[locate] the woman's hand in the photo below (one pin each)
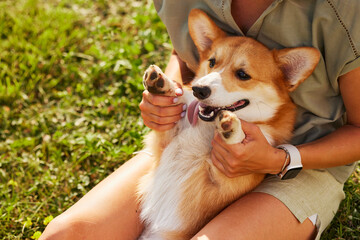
(253, 155)
(161, 113)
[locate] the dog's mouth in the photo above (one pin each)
(208, 113)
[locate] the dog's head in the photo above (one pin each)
(242, 75)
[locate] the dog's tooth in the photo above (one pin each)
(211, 114)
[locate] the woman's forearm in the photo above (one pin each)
(177, 70)
(336, 149)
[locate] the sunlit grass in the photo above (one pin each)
(70, 85)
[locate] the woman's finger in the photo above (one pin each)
(159, 100)
(161, 111)
(158, 127)
(161, 120)
(220, 149)
(217, 163)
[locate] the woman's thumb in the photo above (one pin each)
(249, 128)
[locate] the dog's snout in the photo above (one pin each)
(201, 92)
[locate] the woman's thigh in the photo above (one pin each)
(108, 211)
(257, 216)
(279, 209)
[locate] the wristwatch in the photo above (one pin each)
(295, 166)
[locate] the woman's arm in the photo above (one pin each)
(342, 146)
(159, 112)
(177, 69)
(336, 149)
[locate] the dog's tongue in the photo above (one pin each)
(192, 112)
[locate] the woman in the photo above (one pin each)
(298, 208)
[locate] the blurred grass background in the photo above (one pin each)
(70, 85)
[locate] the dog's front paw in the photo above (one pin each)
(156, 82)
(229, 127)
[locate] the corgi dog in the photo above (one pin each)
(237, 78)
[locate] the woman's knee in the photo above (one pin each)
(91, 217)
(65, 228)
(56, 229)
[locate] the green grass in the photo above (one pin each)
(70, 85)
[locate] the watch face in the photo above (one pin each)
(291, 173)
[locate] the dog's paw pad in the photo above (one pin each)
(156, 82)
(229, 126)
(225, 122)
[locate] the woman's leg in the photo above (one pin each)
(108, 211)
(257, 216)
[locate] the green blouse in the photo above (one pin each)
(332, 26)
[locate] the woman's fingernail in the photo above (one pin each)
(179, 91)
(183, 114)
(175, 100)
(184, 107)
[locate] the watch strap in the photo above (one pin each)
(295, 161)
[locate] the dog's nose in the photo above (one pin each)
(201, 92)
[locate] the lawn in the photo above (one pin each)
(70, 85)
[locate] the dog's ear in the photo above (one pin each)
(203, 30)
(297, 64)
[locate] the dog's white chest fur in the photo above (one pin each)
(178, 162)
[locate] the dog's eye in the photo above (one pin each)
(211, 62)
(242, 75)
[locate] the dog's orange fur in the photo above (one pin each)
(207, 192)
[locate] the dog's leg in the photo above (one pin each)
(156, 82)
(229, 127)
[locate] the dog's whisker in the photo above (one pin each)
(266, 104)
(258, 107)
